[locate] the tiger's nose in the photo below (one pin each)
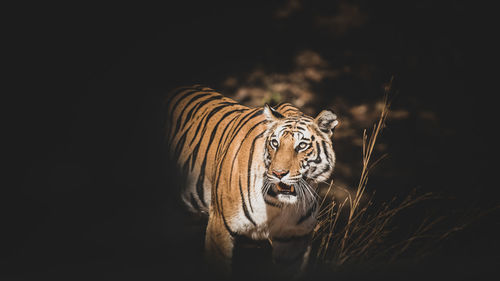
(280, 173)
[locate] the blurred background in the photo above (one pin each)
(92, 197)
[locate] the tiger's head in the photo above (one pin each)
(298, 154)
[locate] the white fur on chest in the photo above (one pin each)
(257, 212)
(270, 221)
(287, 221)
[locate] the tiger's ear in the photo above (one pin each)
(326, 121)
(271, 114)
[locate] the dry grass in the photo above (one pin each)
(355, 229)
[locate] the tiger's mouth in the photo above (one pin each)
(286, 189)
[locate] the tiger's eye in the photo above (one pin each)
(274, 143)
(302, 145)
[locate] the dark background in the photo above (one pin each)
(91, 196)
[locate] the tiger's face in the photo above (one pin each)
(298, 153)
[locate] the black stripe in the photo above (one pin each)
(236, 156)
(193, 158)
(212, 135)
(194, 203)
(183, 96)
(277, 205)
(225, 153)
(223, 134)
(283, 106)
(199, 184)
(168, 115)
(218, 122)
(206, 119)
(326, 168)
(326, 151)
(271, 193)
(198, 129)
(290, 109)
(243, 122)
(219, 206)
(174, 93)
(223, 156)
(194, 108)
(226, 115)
(236, 129)
(313, 169)
(245, 209)
(276, 113)
(318, 157)
(244, 138)
(318, 132)
(204, 102)
(232, 233)
(279, 104)
(196, 149)
(252, 148)
(178, 125)
(174, 131)
(179, 146)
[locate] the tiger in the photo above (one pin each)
(252, 171)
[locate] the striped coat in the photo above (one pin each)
(251, 170)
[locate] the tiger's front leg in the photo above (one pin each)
(219, 245)
(291, 254)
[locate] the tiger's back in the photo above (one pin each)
(201, 123)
